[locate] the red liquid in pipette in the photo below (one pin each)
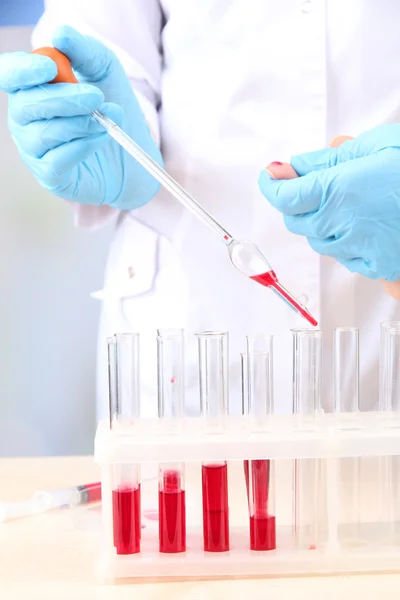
(126, 520)
(215, 507)
(262, 525)
(172, 514)
(269, 279)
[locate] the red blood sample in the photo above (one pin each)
(262, 525)
(172, 511)
(126, 520)
(91, 492)
(262, 533)
(215, 507)
(269, 279)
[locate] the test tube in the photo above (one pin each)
(171, 390)
(384, 364)
(346, 370)
(307, 364)
(259, 473)
(390, 402)
(346, 398)
(213, 376)
(390, 347)
(123, 368)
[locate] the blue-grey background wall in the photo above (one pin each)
(48, 322)
(20, 12)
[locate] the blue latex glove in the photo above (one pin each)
(65, 148)
(347, 202)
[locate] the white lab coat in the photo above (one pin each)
(228, 86)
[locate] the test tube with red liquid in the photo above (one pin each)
(171, 488)
(258, 403)
(308, 500)
(123, 369)
(213, 375)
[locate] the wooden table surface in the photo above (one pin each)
(49, 556)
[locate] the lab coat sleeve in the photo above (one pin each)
(132, 29)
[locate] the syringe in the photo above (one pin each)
(244, 255)
(45, 500)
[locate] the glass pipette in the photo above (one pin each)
(244, 255)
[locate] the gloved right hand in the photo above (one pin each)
(360, 212)
(68, 152)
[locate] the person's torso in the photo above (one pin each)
(245, 83)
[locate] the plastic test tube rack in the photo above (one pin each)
(317, 437)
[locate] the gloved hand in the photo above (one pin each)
(65, 148)
(347, 201)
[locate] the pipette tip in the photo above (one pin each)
(269, 279)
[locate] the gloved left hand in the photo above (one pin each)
(347, 201)
(68, 152)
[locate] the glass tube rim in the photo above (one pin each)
(170, 332)
(307, 331)
(347, 329)
(392, 331)
(212, 334)
(390, 324)
(132, 334)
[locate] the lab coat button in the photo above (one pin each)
(306, 6)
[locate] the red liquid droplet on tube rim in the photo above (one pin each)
(126, 520)
(269, 279)
(215, 507)
(172, 511)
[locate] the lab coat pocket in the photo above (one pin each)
(145, 288)
(165, 304)
(132, 263)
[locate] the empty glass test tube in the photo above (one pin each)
(307, 484)
(384, 405)
(389, 467)
(213, 375)
(171, 486)
(389, 400)
(258, 403)
(123, 369)
(346, 397)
